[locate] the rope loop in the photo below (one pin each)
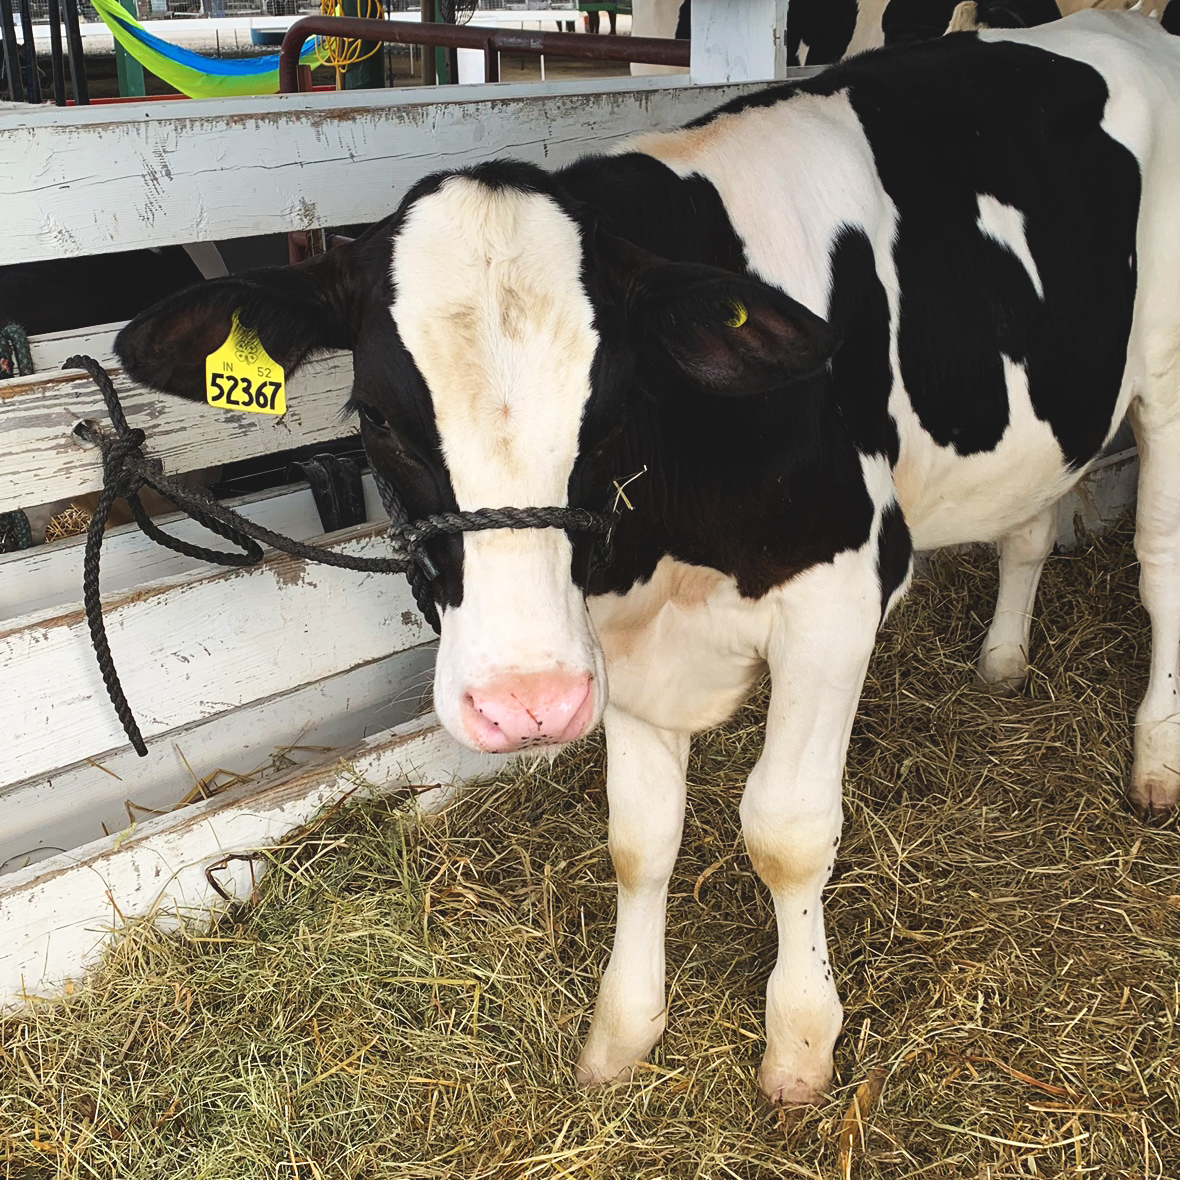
(126, 469)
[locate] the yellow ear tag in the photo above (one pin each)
(737, 314)
(240, 376)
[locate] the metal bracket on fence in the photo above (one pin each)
(336, 489)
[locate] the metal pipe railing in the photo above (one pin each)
(656, 51)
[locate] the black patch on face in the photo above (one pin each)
(956, 118)
(894, 553)
(861, 373)
(396, 412)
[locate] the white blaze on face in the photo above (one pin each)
(490, 304)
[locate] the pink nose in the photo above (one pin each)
(529, 709)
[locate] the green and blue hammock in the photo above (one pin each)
(195, 74)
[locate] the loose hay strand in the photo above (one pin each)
(405, 999)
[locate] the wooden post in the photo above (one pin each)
(428, 74)
(131, 83)
(738, 40)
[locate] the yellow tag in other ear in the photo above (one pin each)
(240, 375)
(737, 314)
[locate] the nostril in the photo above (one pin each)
(471, 704)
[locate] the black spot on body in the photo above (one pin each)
(858, 311)
(894, 553)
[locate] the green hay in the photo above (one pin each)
(406, 1001)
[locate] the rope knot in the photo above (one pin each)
(125, 467)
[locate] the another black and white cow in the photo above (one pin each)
(902, 304)
(820, 32)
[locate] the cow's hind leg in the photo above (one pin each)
(1155, 776)
(791, 816)
(1003, 664)
(645, 774)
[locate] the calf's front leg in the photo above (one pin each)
(791, 817)
(645, 774)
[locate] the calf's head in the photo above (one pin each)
(498, 338)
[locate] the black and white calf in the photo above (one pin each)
(902, 304)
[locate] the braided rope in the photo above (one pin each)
(126, 469)
(14, 349)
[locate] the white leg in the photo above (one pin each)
(1155, 777)
(1004, 660)
(791, 816)
(645, 790)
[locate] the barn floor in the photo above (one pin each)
(406, 1002)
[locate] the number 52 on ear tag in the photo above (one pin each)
(241, 376)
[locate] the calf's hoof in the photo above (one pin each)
(1154, 791)
(611, 1054)
(1154, 796)
(589, 1075)
(1004, 670)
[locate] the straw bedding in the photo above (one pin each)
(405, 1001)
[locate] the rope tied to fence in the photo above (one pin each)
(126, 469)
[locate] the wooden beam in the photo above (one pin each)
(195, 646)
(46, 580)
(50, 350)
(41, 461)
(86, 180)
(78, 804)
(738, 41)
(55, 916)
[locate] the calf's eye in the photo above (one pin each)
(373, 417)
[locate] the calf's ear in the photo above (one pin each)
(297, 311)
(728, 334)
